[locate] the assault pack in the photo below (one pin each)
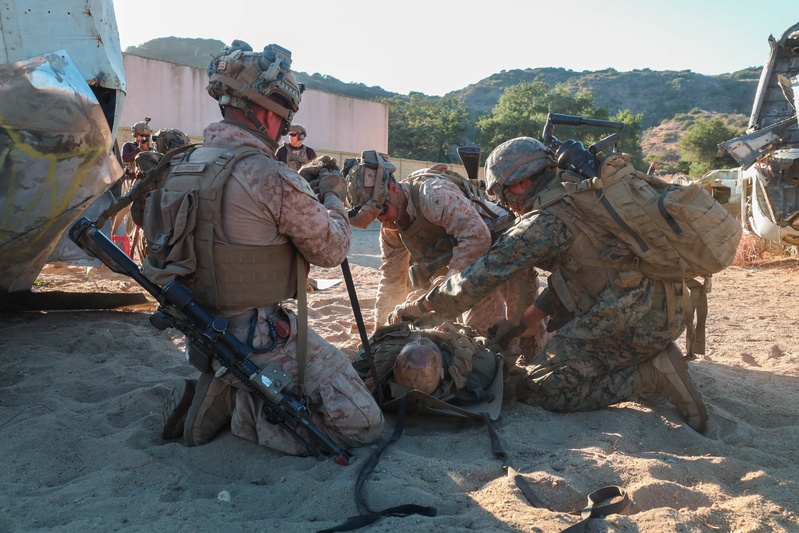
(677, 233)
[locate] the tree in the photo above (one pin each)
(423, 127)
(522, 112)
(699, 146)
(630, 136)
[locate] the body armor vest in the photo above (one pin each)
(226, 276)
(295, 158)
(424, 240)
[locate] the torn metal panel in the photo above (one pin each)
(55, 160)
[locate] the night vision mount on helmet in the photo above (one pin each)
(239, 77)
(141, 128)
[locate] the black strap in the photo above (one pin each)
(367, 516)
(594, 510)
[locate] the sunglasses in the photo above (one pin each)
(293, 134)
(383, 209)
(145, 138)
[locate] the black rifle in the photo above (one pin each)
(571, 154)
(208, 334)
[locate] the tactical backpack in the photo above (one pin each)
(472, 368)
(677, 233)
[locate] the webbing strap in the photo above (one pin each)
(595, 510)
(139, 188)
(695, 330)
(367, 516)
(302, 322)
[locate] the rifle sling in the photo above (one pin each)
(302, 322)
(367, 516)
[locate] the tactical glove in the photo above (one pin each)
(310, 171)
(409, 311)
(331, 181)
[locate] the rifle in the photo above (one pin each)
(571, 154)
(208, 334)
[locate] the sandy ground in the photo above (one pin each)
(80, 449)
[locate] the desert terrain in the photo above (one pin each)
(81, 396)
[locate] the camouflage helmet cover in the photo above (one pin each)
(238, 76)
(515, 160)
(419, 365)
(166, 139)
(361, 181)
(141, 128)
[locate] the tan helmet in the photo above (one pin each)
(141, 128)
(167, 139)
(300, 129)
(239, 77)
(515, 160)
(363, 182)
(419, 365)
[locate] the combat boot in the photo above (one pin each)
(176, 405)
(198, 409)
(667, 375)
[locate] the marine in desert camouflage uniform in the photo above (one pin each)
(423, 224)
(617, 326)
(269, 212)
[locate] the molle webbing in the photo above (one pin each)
(230, 276)
(248, 276)
(297, 160)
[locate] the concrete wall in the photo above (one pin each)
(174, 96)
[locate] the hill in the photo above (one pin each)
(659, 96)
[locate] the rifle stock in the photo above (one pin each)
(178, 309)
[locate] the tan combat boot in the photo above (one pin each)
(210, 411)
(197, 410)
(667, 375)
(176, 405)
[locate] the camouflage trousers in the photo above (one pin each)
(576, 374)
(339, 404)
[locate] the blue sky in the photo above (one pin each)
(438, 46)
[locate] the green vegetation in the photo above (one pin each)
(699, 147)
(424, 128)
(515, 102)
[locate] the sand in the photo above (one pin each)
(81, 396)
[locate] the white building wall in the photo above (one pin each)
(174, 96)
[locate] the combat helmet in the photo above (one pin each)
(514, 160)
(368, 178)
(300, 129)
(238, 77)
(141, 128)
(167, 139)
(419, 365)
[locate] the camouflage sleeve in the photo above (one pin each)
(393, 285)
(321, 233)
(533, 241)
(444, 205)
